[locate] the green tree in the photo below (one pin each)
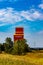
(9, 41)
(8, 45)
(20, 47)
(0, 47)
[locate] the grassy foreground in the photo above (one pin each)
(29, 59)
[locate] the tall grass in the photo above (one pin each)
(29, 59)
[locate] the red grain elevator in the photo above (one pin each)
(19, 33)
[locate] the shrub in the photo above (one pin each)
(20, 47)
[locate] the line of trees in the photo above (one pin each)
(18, 47)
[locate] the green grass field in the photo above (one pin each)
(28, 59)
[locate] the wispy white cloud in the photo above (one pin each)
(37, 15)
(40, 32)
(9, 15)
(32, 16)
(41, 6)
(26, 15)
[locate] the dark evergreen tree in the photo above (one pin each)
(0, 47)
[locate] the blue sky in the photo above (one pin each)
(22, 13)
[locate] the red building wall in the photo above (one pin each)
(19, 33)
(19, 30)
